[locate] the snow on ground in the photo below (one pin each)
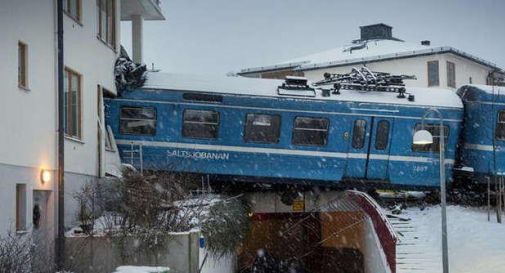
(141, 269)
(475, 245)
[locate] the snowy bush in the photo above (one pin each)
(143, 211)
(15, 254)
(225, 226)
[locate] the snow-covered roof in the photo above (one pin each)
(364, 51)
(490, 89)
(438, 97)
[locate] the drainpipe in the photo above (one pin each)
(60, 240)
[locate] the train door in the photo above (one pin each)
(358, 149)
(378, 150)
(368, 156)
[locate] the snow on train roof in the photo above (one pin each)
(490, 89)
(439, 97)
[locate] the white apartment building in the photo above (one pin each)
(28, 104)
(434, 66)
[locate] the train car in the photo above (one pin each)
(482, 149)
(263, 130)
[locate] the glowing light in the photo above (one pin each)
(423, 137)
(45, 176)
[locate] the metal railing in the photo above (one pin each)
(136, 155)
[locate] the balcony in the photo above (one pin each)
(149, 10)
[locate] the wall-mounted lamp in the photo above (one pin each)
(45, 176)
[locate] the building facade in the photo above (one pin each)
(377, 49)
(29, 114)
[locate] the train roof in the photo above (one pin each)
(438, 97)
(490, 89)
(485, 93)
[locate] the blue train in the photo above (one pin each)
(482, 144)
(259, 130)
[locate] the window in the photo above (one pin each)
(310, 131)
(72, 103)
(107, 21)
(108, 137)
(22, 65)
(451, 75)
(435, 132)
(358, 134)
(262, 128)
(20, 207)
(500, 126)
(200, 124)
(433, 78)
(73, 9)
(137, 121)
(470, 81)
(382, 135)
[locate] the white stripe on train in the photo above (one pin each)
(479, 147)
(226, 148)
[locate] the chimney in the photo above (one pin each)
(377, 31)
(425, 43)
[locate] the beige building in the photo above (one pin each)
(440, 66)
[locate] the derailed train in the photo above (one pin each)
(258, 130)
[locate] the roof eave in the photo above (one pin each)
(271, 67)
(400, 55)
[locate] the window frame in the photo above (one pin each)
(327, 130)
(67, 10)
(68, 85)
(121, 119)
(428, 73)
(217, 123)
(278, 129)
(388, 132)
(22, 65)
(104, 29)
(451, 74)
(499, 124)
(435, 146)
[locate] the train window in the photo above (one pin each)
(358, 134)
(262, 128)
(382, 135)
(500, 126)
(137, 121)
(435, 132)
(200, 124)
(310, 131)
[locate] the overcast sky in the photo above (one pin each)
(219, 36)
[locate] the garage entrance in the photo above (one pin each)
(306, 242)
(337, 237)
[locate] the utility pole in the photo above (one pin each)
(60, 240)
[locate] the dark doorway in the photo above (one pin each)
(317, 242)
